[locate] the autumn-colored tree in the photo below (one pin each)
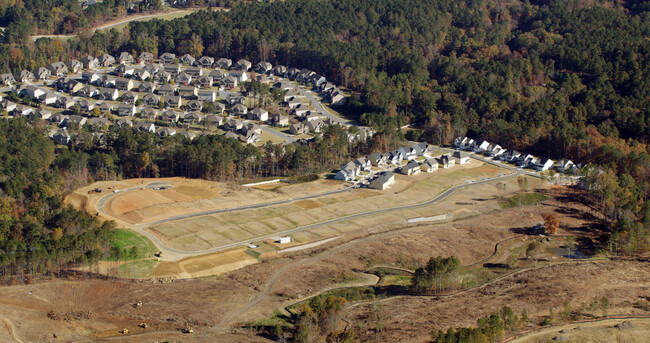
(551, 222)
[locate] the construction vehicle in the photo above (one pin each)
(138, 304)
(159, 254)
(143, 325)
(187, 329)
(124, 331)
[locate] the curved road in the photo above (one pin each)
(176, 254)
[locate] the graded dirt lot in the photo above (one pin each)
(182, 196)
(216, 307)
(212, 230)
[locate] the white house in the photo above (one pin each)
(348, 172)
(383, 181)
(461, 157)
(411, 168)
(544, 164)
(283, 240)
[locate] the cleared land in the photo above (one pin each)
(596, 332)
(223, 228)
(205, 302)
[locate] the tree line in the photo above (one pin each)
(39, 233)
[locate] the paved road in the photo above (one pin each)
(171, 253)
(279, 134)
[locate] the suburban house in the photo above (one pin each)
(170, 116)
(445, 161)
(32, 92)
(145, 127)
(42, 73)
(130, 97)
(172, 69)
(124, 122)
(90, 77)
(377, 159)
(279, 70)
(250, 127)
(564, 166)
(230, 81)
(205, 61)
(214, 120)
(65, 102)
(192, 118)
(410, 168)
(348, 172)
(43, 113)
(99, 123)
(315, 126)
(149, 113)
(150, 99)
(208, 96)
(224, 63)
(75, 120)
(8, 79)
(461, 157)
(58, 68)
(204, 81)
(61, 137)
(162, 76)
(146, 57)
(258, 114)
(483, 146)
(510, 156)
(124, 70)
(166, 89)
(124, 84)
(188, 91)
(263, 67)
(58, 119)
(167, 58)
(126, 110)
(108, 81)
(194, 105)
(298, 129)
(280, 120)
(105, 107)
(233, 99)
(250, 137)
(394, 157)
(89, 62)
(141, 74)
(239, 75)
(48, 98)
(238, 110)
(172, 101)
(233, 125)
(24, 76)
(183, 79)
(147, 87)
(86, 106)
(21, 110)
(544, 164)
(188, 59)
(337, 99)
(243, 65)
(525, 161)
(108, 94)
(363, 163)
(74, 66)
(126, 57)
(189, 135)
(429, 165)
(106, 60)
(217, 75)
(383, 181)
(194, 71)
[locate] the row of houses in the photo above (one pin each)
(395, 158)
(63, 137)
(497, 152)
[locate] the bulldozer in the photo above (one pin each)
(187, 329)
(143, 325)
(124, 331)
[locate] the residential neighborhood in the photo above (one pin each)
(206, 97)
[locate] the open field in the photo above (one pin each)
(205, 265)
(127, 239)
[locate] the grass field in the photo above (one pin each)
(136, 269)
(165, 16)
(126, 239)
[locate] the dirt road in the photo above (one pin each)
(11, 327)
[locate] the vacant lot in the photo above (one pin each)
(229, 227)
(205, 265)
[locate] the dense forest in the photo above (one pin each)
(38, 233)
